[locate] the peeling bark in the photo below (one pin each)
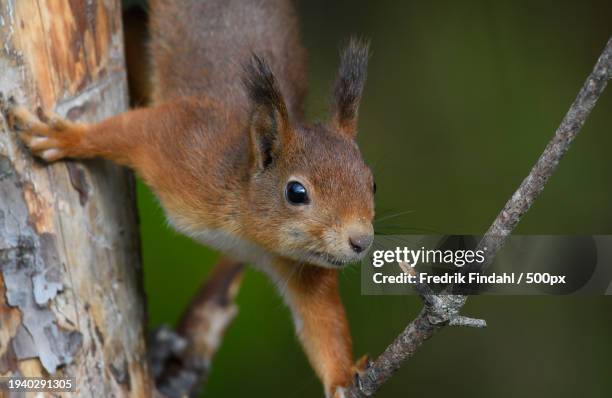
(71, 300)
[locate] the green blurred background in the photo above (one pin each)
(461, 99)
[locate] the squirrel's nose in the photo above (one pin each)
(361, 242)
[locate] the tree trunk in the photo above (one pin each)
(71, 300)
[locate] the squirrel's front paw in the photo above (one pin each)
(363, 364)
(47, 136)
(359, 368)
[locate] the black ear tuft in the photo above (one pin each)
(269, 126)
(349, 85)
(262, 87)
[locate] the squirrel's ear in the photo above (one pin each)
(269, 126)
(349, 85)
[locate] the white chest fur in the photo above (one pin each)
(242, 250)
(238, 248)
(229, 244)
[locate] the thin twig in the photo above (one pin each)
(436, 314)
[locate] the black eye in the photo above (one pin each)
(374, 187)
(296, 193)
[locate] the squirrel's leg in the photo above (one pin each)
(122, 138)
(321, 324)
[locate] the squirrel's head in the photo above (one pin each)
(311, 196)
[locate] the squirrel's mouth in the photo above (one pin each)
(327, 260)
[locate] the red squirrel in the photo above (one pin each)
(226, 150)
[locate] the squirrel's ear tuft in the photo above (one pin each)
(269, 126)
(349, 85)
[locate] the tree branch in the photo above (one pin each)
(442, 310)
(180, 361)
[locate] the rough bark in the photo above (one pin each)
(71, 302)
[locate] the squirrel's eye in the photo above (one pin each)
(374, 187)
(296, 193)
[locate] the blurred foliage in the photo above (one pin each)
(460, 101)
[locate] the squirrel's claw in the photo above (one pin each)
(7, 104)
(357, 371)
(46, 135)
(359, 368)
(364, 363)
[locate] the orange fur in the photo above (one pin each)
(220, 144)
(321, 325)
